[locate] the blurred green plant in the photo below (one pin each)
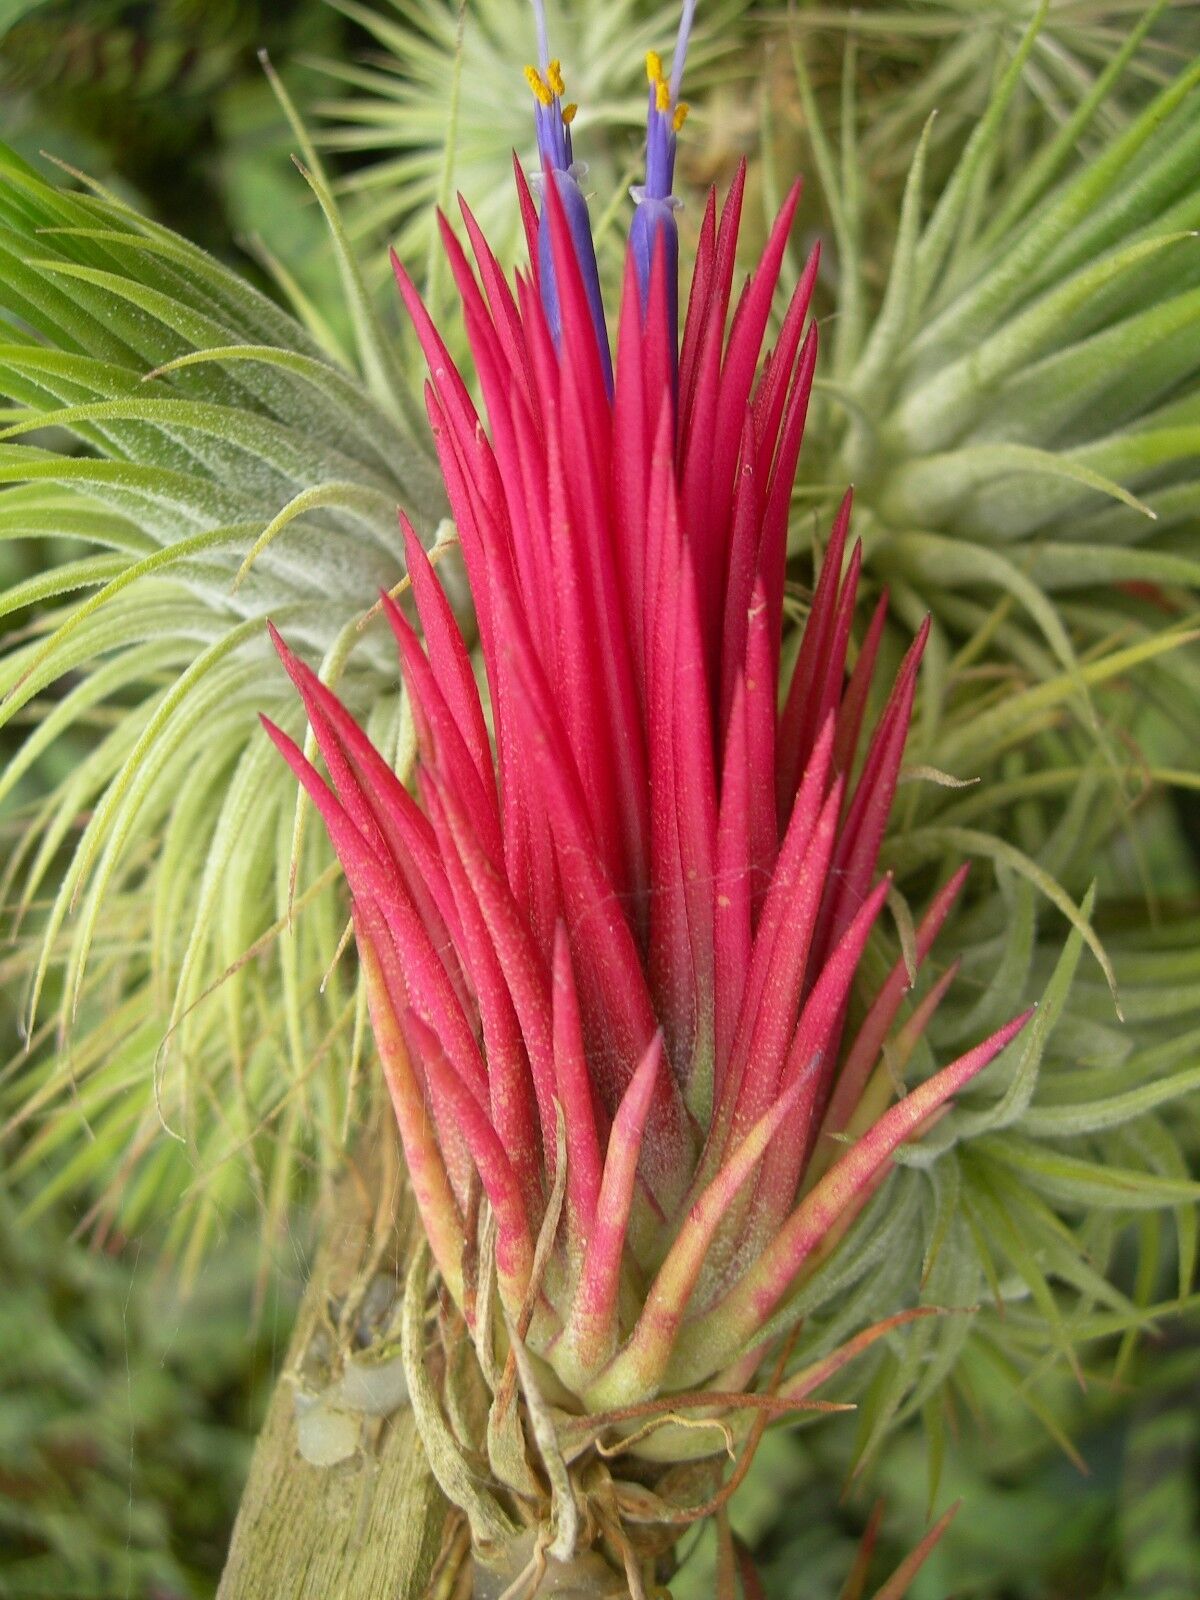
(257, 471)
(138, 93)
(1019, 407)
(942, 55)
(126, 1416)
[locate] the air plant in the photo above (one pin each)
(1017, 405)
(198, 454)
(611, 948)
(941, 57)
(232, 463)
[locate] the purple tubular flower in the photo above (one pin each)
(552, 124)
(654, 228)
(580, 225)
(654, 218)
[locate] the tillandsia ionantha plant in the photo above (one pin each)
(1018, 408)
(610, 948)
(204, 460)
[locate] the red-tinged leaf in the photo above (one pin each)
(898, 1585)
(480, 564)
(863, 1053)
(732, 894)
(697, 307)
(744, 347)
(707, 527)
(576, 668)
(511, 1100)
(820, 1023)
(525, 975)
(696, 806)
(427, 980)
(514, 1245)
(770, 397)
(617, 1010)
(584, 342)
(830, 696)
(529, 216)
(797, 727)
(427, 1172)
(631, 446)
(449, 753)
(760, 740)
(363, 866)
(727, 237)
(475, 308)
(753, 1587)
(450, 388)
(501, 302)
(743, 567)
(593, 1331)
(584, 1164)
(645, 1357)
(623, 761)
(856, 1581)
(522, 544)
(376, 801)
(469, 469)
(539, 344)
(663, 542)
(854, 701)
(672, 977)
(659, 356)
(447, 653)
(521, 449)
(810, 804)
(787, 924)
(867, 816)
(773, 548)
(818, 1035)
(914, 1026)
(754, 1299)
(813, 1377)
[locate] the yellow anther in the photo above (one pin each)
(680, 116)
(554, 76)
(654, 67)
(540, 92)
(662, 95)
(568, 113)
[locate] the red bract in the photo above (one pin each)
(623, 926)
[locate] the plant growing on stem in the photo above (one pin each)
(610, 950)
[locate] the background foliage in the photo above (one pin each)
(1012, 299)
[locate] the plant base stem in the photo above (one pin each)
(371, 1527)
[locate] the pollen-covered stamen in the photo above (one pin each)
(664, 118)
(552, 120)
(666, 113)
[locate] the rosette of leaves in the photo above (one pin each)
(941, 55)
(197, 458)
(1076, 1489)
(187, 833)
(1019, 406)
